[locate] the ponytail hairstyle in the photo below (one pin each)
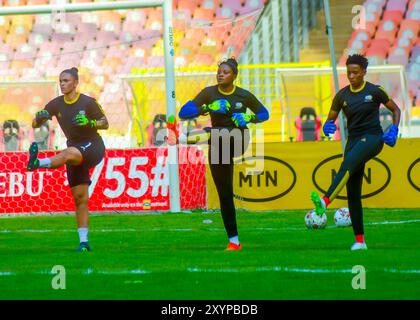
(74, 72)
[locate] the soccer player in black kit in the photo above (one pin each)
(227, 105)
(360, 102)
(80, 117)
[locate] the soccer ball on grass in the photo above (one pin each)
(315, 221)
(342, 217)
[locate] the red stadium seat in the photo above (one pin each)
(380, 43)
(189, 5)
(386, 30)
(154, 20)
(205, 15)
(377, 51)
(371, 27)
(373, 17)
(409, 29)
(396, 16)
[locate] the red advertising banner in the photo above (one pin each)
(126, 180)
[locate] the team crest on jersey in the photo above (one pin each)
(368, 98)
(238, 105)
(345, 104)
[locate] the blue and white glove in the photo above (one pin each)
(242, 119)
(329, 127)
(390, 138)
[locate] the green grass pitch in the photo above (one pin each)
(178, 256)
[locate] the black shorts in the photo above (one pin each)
(92, 153)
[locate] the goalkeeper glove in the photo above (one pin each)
(242, 119)
(390, 138)
(80, 120)
(42, 116)
(217, 106)
(329, 127)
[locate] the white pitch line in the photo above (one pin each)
(91, 271)
(401, 271)
(190, 229)
(264, 269)
(392, 222)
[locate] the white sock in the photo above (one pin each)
(235, 240)
(45, 163)
(83, 234)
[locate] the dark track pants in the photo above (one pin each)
(221, 167)
(358, 151)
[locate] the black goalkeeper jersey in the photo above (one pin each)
(361, 108)
(65, 111)
(239, 99)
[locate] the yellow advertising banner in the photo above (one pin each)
(284, 174)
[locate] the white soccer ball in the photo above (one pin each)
(315, 221)
(342, 217)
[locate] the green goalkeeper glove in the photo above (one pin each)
(42, 115)
(217, 106)
(80, 120)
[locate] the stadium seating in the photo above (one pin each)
(391, 37)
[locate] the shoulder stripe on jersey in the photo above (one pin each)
(383, 89)
(100, 107)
